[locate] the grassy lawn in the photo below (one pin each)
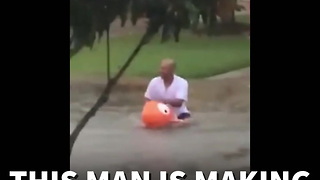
(243, 19)
(196, 57)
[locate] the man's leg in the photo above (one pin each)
(184, 116)
(181, 119)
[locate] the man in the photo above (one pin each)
(170, 89)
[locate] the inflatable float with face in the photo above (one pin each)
(156, 115)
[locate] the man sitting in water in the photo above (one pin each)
(170, 89)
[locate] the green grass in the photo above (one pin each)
(196, 57)
(243, 19)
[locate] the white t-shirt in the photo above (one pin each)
(177, 90)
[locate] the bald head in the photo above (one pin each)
(168, 62)
(167, 68)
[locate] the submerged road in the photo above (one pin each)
(115, 141)
(219, 138)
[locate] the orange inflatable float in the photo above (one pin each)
(156, 115)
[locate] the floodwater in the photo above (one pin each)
(114, 140)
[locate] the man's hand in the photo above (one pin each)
(173, 102)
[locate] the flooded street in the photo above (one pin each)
(218, 139)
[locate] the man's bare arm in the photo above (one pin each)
(181, 97)
(174, 102)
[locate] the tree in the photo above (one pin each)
(88, 17)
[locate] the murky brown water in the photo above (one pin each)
(113, 139)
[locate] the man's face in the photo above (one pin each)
(166, 70)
